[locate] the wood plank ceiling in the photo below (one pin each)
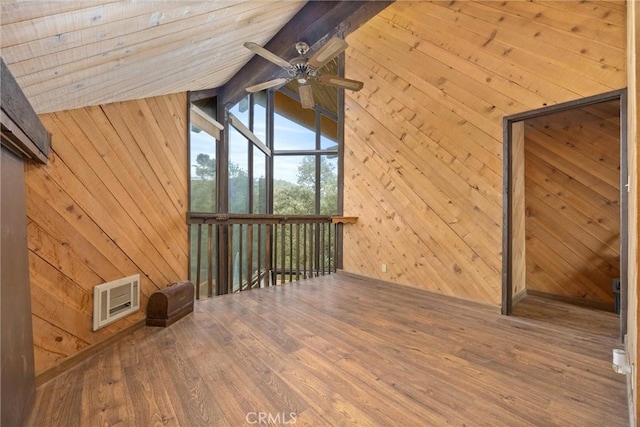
(71, 54)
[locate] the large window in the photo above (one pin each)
(273, 156)
(203, 169)
(305, 153)
(239, 153)
(263, 155)
(203, 158)
(248, 156)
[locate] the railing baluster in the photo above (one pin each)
(297, 251)
(209, 260)
(290, 227)
(307, 248)
(240, 242)
(304, 250)
(330, 250)
(198, 261)
(293, 247)
(337, 242)
(322, 248)
(276, 253)
(311, 256)
(230, 260)
(317, 249)
(268, 261)
(282, 253)
(259, 258)
(249, 256)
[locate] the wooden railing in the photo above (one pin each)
(236, 252)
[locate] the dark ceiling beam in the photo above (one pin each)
(315, 23)
(21, 128)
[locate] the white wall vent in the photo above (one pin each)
(115, 300)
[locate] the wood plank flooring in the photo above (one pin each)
(342, 350)
(554, 313)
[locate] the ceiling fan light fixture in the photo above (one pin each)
(306, 96)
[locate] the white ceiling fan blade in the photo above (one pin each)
(341, 82)
(272, 57)
(306, 96)
(267, 85)
(326, 53)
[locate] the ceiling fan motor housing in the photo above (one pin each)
(301, 70)
(302, 48)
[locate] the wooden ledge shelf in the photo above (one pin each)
(344, 219)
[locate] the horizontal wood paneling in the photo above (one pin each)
(111, 202)
(572, 193)
(423, 139)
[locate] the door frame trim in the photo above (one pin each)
(507, 178)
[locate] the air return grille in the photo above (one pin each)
(114, 300)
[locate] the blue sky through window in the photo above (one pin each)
(288, 136)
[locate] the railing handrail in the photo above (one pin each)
(297, 246)
(212, 218)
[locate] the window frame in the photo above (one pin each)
(317, 152)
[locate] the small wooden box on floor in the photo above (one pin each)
(170, 304)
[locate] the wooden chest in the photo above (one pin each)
(170, 304)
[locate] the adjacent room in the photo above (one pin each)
(223, 213)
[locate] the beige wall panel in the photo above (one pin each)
(423, 139)
(110, 203)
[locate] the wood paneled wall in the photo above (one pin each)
(518, 209)
(572, 196)
(423, 139)
(110, 203)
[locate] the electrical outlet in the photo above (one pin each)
(383, 268)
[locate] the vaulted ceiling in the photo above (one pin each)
(68, 54)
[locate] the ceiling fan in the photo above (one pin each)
(304, 70)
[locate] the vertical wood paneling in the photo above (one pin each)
(572, 194)
(423, 139)
(110, 203)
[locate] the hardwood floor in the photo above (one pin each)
(341, 350)
(556, 313)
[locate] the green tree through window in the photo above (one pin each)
(299, 198)
(203, 184)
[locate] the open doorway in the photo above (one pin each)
(565, 206)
